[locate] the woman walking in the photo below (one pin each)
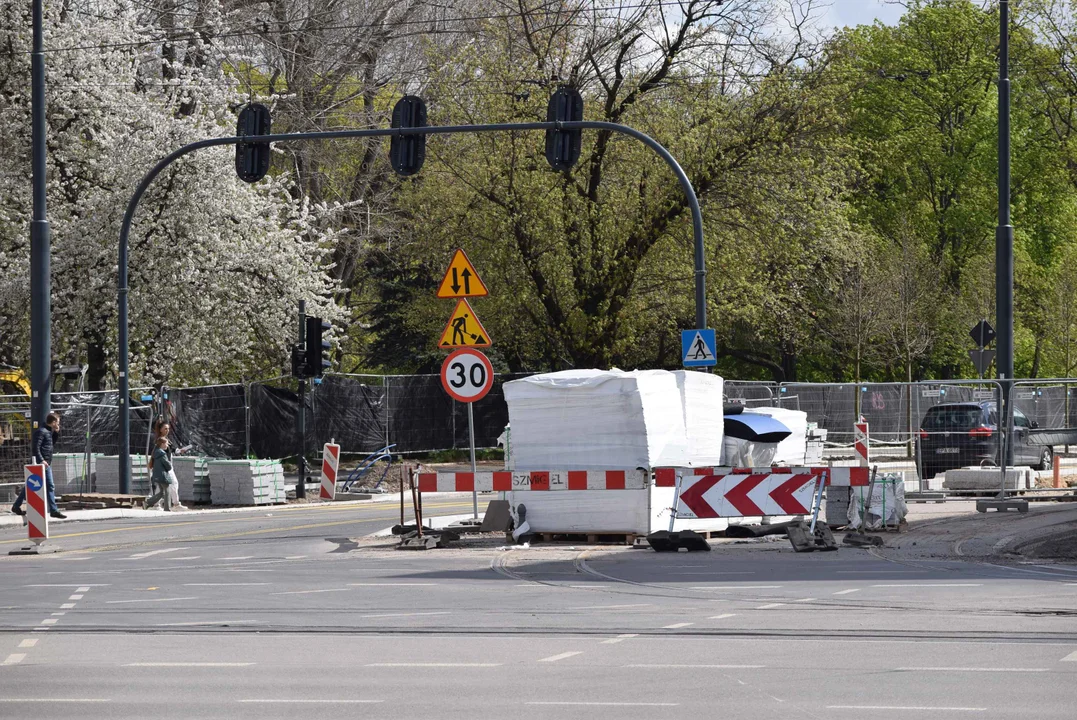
(161, 430)
(161, 475)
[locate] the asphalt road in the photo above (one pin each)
(277, 612)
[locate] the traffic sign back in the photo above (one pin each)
(983, 333)
(463, 329)
(461, 280)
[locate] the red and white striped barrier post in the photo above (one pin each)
(330, 465)
(36, 517)
(861, 442)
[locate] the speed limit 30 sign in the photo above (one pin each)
(467, 375)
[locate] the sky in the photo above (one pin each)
(861, 12)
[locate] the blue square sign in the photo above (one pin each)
(698, 348)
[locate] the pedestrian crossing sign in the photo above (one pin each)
(698, 348)
(463, 329)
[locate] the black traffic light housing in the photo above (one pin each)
(317, 360)
(252, 159)
(407, 152)
(563, 146)
(299, 366)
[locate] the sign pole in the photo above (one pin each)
(471, 441)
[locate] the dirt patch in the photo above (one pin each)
(1060, 546)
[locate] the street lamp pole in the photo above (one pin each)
(1004, 236)
(40, 246)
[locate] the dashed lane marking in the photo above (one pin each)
(211, 622)
(928, 585)
(601, 704)
(731, 588)
(67, 606)
(387, 584)
(186, 557)
(705, 667)
(1072, 657)
(49, 622)
(54, 699)
(221, 584)
(189, 664)
(723, 616)
(81, 588)
(28, 643)
(969, 669)
(562, 656)
(610, 607)
(434, 665)
(76, 596)
(151, 553)
(619, 638)
(264, 701)
(906, 708)
(86, 588)
(846, 592)
(770, 606)
(238, 557)
(310, 592)
(804, 600)
(676, 626)
(14, 659)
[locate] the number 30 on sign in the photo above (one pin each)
(467, 375)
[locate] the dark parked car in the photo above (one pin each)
(958, 435)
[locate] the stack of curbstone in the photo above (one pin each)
(108, 475)
(246, 482)
(193, 476)
(68, 471)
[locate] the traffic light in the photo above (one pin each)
(317, 349)
(407, 152)
(252, 159)
(299, 368)
(563, 146)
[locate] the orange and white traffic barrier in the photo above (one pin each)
(539, 480)
(836, 476)
(36, 517)
(330, 465)
(860, 443)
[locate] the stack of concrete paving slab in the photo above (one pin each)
(988, 479)
(108, 475)
(193, 476)
(69, 472)
(246, 482)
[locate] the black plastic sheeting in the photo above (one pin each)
(212, 420)
(97, 413)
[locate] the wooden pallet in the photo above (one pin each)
(600, 538)
(104, 500)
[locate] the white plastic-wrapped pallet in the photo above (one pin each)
(704, 419)
(597, 420)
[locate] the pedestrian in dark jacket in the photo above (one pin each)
(41, 444)
(162, 466)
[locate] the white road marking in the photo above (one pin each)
(770, 606)
(676, 626)
(294, 557)
(562, 656)
(609, 607)
(14, 659)
(717, 572)
(76, 597)
(387, 584)
(221, 584)
(238, 557)
(877, 572)
(59, 614)
(309, 702)
(188, 664)
(804, 600)
(928, 585)
(602, 704)
(735, 587)
(54, 700)
(186, 557)
(310, 592)
(211, 622)
(67, 606)
(404, 614)
(27, 643)
(903, 707)
(86, 588)
(151, 553)
(970, 669)
(619, 638)
(846, 592)
(81, 588)
(120, 602)
(707, 667)
(1072, 657)
(435, 665)
(723, 616)
(49, 622)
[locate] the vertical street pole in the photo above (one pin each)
(40, 249)
(471, 441)
(1004, 240)
(301, 486)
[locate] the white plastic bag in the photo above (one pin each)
(887, 506)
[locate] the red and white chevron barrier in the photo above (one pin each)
(330, 465)
(860, 443)
(36, 517)
(753, 495)
(536, 480)
(836, 476)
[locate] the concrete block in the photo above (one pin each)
(1002, 505)
(988, 479)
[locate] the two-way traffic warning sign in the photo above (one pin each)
(461, 280)
(740, 495)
